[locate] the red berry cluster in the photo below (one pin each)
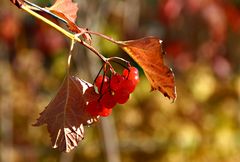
(113, 90)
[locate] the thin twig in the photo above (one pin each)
(120, 59)
(93, 50)
(70, 55)
(36, 7)
(103, 36)
(98, 74)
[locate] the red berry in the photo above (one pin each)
(108, 100)
(93, 108)
(128, 85)
(121, 96)
(102, 84)
(125, 73)
(105, 112)
(131, 74)
(90, 95)
(116, 81)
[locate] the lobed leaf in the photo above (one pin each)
(66, 115)
(148, 53)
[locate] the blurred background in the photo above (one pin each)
(202, 41)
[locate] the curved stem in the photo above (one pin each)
(104, 59)
(103, 36)
(115, 60)
(69, 62)
(70, 55)
(98, 74)
(120, 59)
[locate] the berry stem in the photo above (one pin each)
(91, 48)
(116, 59)
(104, 75)
(98, 74)
(120, 59)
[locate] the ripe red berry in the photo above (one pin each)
(116, 81)
(131, 74)
(121, 96)
(102, 83)
(93, 108)
(90, 95)
(132, 78)
(105, 112)
(108, 100)
(125, 73)
(111, 91)
(128, 85)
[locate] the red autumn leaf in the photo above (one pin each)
(66, 115)
(66, 8)
(148, 53)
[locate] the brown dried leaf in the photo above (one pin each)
(66, 115)
(66, 8)
(147, 52)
